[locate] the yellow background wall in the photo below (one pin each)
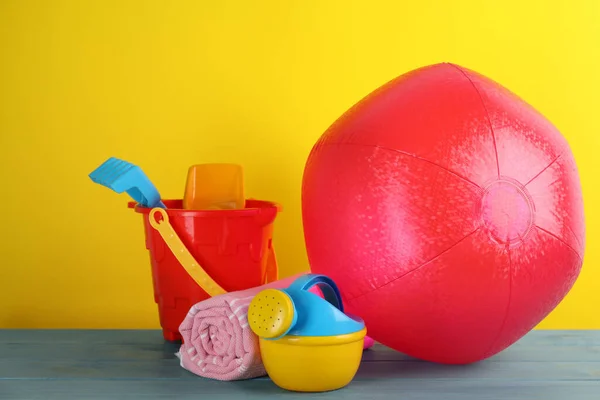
(167, 84)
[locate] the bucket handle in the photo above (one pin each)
(188, 262)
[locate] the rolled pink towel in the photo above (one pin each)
(217, 341)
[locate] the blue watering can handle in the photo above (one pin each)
(326, 284)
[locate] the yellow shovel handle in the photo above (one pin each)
(182, 254)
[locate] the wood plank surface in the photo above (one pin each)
(126, 364)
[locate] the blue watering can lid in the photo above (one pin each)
(316, 316)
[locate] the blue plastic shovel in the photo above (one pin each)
(122, 176)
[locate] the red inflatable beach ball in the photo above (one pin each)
(448, 211)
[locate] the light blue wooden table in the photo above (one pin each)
(38, 364)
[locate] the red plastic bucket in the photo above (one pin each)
(233, 247)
